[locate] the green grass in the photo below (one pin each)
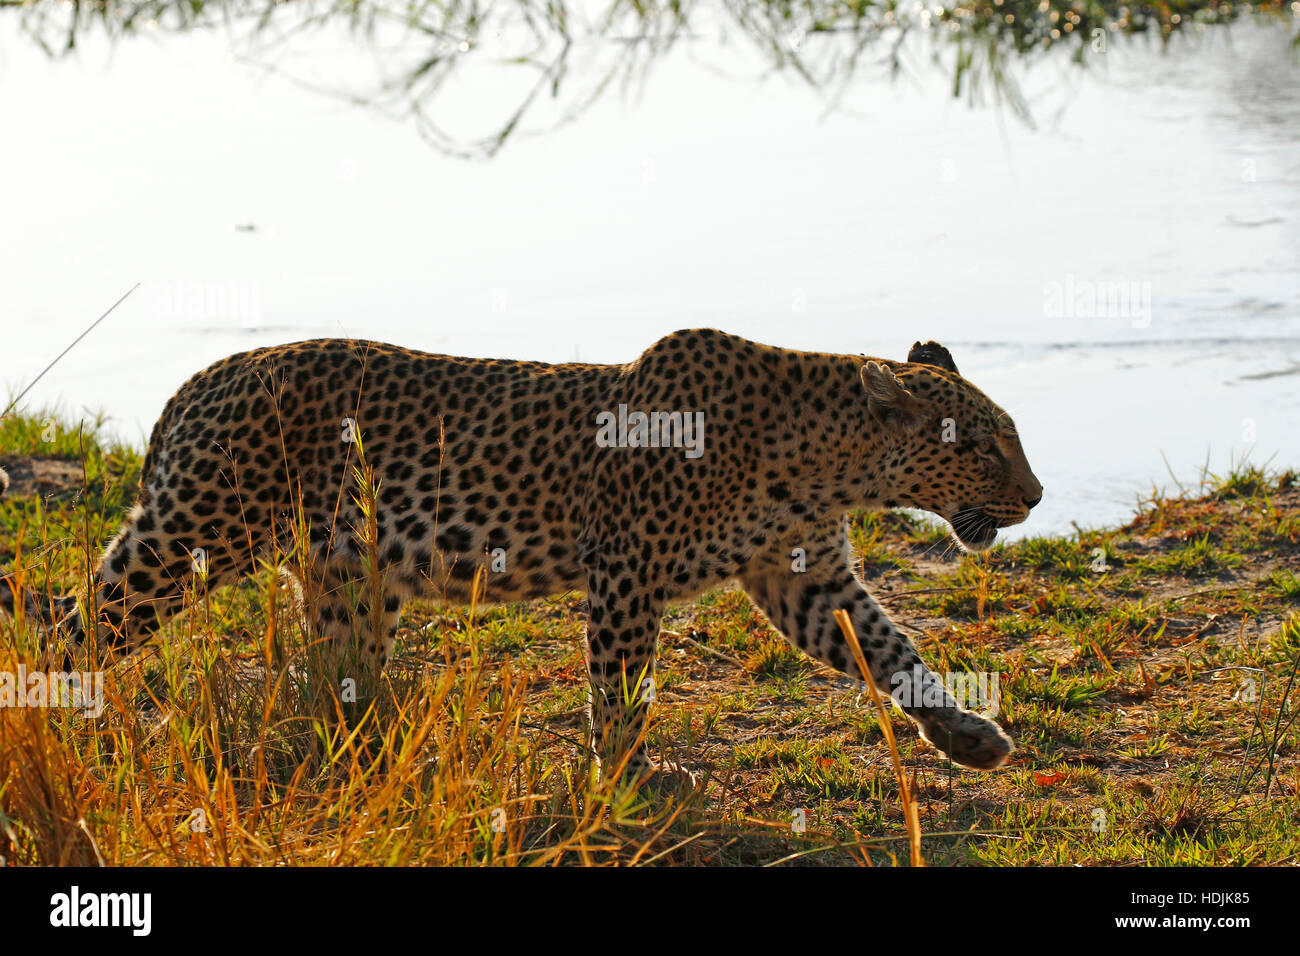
(1065, 557)
(1199, 557)
(1287, 585)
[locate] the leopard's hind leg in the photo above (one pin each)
(353, 615)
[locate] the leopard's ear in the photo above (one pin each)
(932, 353)
(887, 398)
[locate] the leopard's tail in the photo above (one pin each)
(6, 592)
(47, 613)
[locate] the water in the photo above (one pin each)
(256, 210)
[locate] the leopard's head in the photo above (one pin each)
(948, 448)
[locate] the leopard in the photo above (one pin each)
(708, 460)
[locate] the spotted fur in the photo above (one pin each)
(494, 466)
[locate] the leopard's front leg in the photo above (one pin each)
(800, 597)
(622, 639)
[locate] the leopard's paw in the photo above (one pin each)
(969, 740)
(674, 777)
(664, 776)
